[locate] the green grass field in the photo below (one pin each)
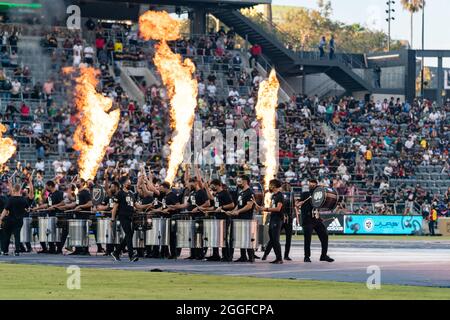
(46, 282)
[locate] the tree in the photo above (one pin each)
(413, 6)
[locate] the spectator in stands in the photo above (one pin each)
(77, 49)
(40, 165)
(88, 55)
(255, 52)
(332, 46)
(322, 44)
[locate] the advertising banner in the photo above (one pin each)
(371, 224)
(333, 222)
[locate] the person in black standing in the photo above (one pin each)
(55, 200)
(106, 206)
(124, 209)
(12, 215)
(170, 201)
(198, 203)
(83, 202)
(310, 223)
(222, 203)
(244, 210)
(276, 220)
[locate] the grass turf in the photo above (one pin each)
(47, 282)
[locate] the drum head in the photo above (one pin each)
(98, 195)
(318, 197)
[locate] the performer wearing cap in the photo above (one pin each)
(222, 204)
(124, 210)
(310, 223)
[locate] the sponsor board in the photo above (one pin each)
(371, 224)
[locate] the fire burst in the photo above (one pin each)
(97, 122)
(177, 77)
(7, 147)
(266, 114)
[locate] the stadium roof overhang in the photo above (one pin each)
(187, 3)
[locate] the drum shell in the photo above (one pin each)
(139, 239)
(47, 229)
(78, 233)
(25, 233)
(214, 233)
(189, 234)
(158, 232)
(108, 232)
(245, 234)
(325, 199)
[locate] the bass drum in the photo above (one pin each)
(325, 198)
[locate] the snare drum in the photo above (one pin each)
(139, 239)
(189, 234)
(325, 198)
(245, 234)
(108, 232)
(158, 232)
(263, 231)
(78, 233)
(214, 233)
(47, 229)
(25, 232)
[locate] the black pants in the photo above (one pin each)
(287, 226)
(431, 227)
(321, 230)
(126, 225)
(226, 252)
(274, 238)
(11, 227)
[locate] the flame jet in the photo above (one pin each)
(97, 122)
(177, 76)
(266, 109)
(7, 146)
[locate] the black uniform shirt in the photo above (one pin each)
(126, 203)
(17, 207)
(197, 198)
(170, 199)
(276, 199)
(222, 199)
(307, 208)
(83, 197)
(55, 198)
(245, 196)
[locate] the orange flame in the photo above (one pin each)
(7, 147)
(177, 77)
(266, 114)
(97, 122)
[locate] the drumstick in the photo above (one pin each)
(303, 202)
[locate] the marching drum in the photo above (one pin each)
(108, 232)
(214, 233)
(25, 232)
(158, 232)
(263, 231)
(139, 239)
(47, 229)
(189, 234)
(245, 234)
(325, 198)
(78, 233)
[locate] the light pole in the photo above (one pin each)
(389, 12)
(422, 75)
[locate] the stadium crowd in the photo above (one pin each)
(342, 154)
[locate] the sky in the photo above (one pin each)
(371, 13)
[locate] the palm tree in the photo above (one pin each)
(413, 6)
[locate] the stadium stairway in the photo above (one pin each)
(274, 43)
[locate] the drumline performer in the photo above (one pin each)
(222, 205)
(11, 218)
(123, 210)
(55, 201)
(276, 212)
(244, 210)
(169, 202)
(311, 222)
